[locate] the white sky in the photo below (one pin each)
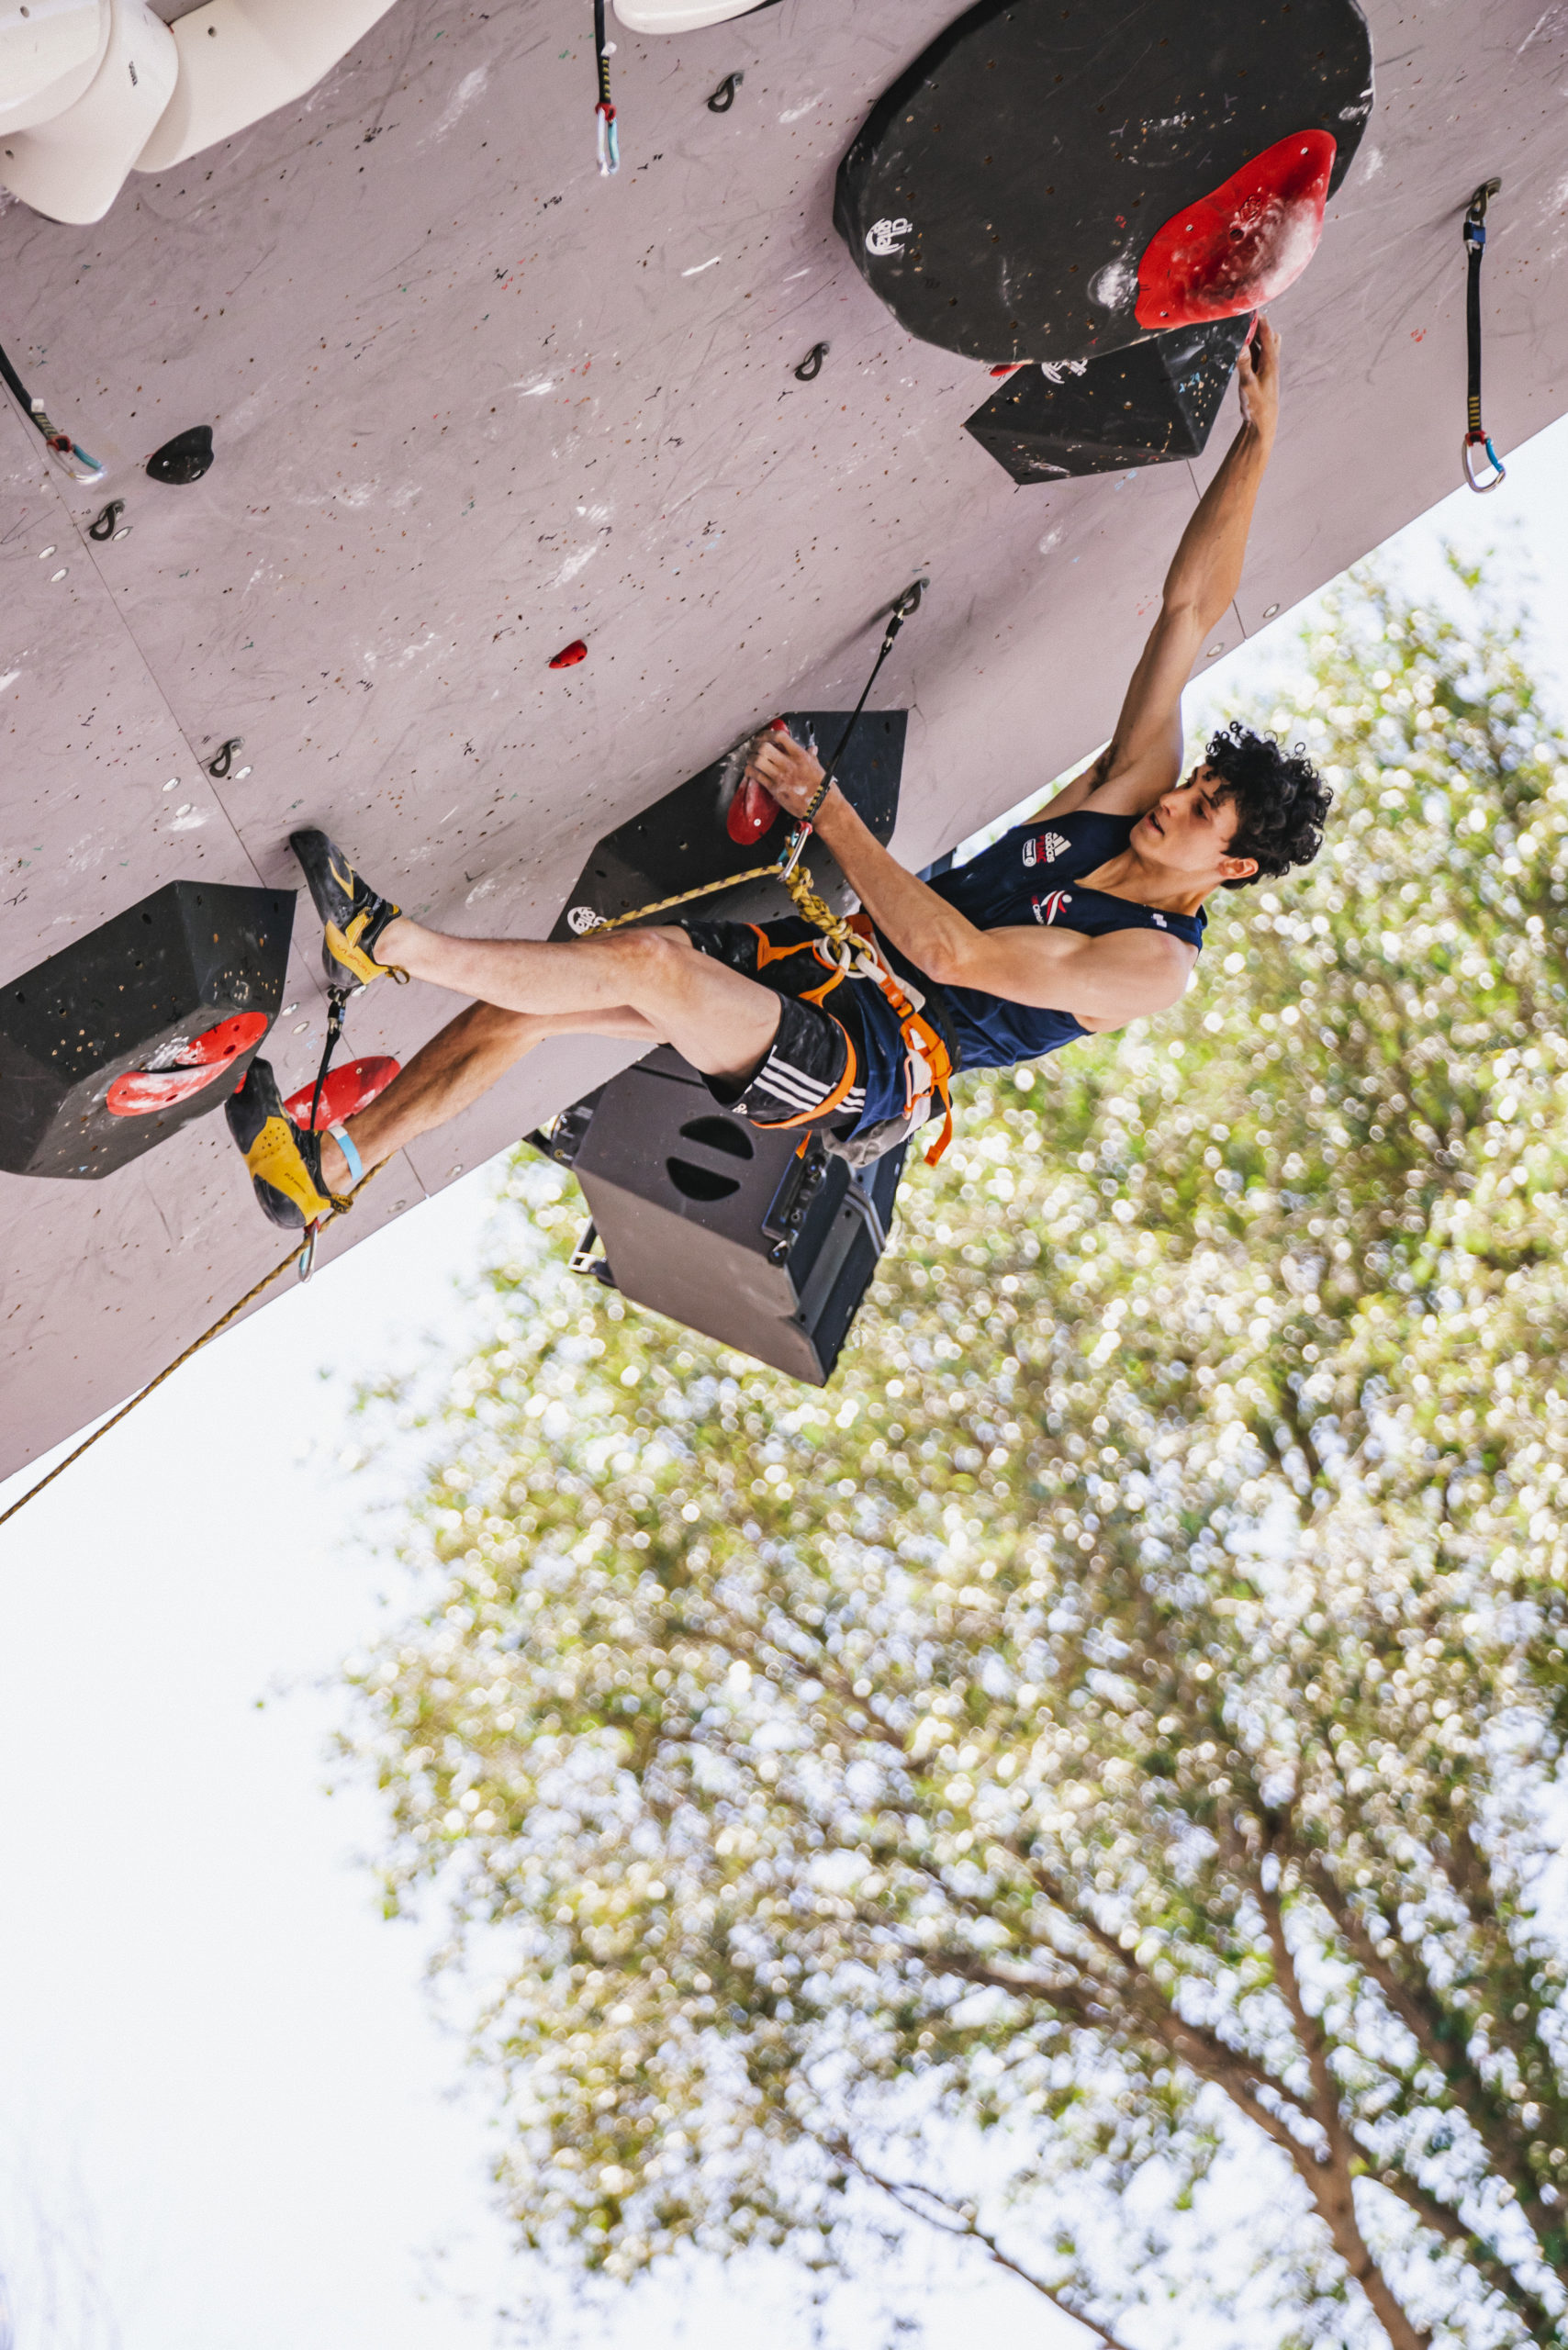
(223, 2092)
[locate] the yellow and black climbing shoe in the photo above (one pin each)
(352, 915)
(284, 1161)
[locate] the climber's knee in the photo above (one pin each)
(656, 961)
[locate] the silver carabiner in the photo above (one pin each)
(802, 834)
(1499, 471)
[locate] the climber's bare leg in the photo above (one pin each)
(717, 1020)
(464, 1060)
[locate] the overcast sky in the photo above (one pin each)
(226, 2108)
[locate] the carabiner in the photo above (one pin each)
(307, 1259)
(1476, 209)
(1499, 471)
(802, 834)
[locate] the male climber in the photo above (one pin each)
(1085, 917)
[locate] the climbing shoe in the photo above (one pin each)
(284, 1159)
(352, 915)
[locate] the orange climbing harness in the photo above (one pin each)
(848, 949)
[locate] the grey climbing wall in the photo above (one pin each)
(471, 401)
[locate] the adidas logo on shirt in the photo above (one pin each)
(1044, 850)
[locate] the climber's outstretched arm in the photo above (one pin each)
(1143, 757)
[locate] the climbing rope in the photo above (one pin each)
(1476, 435)
(77, 462)
(340, 1207)
(336, 1000)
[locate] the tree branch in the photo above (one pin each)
(1480, 2255)
(1333, 2181)
(958, 2223)
(1295, 1420)
(1244, 2081)
(1470, 2092)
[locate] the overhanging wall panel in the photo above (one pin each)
(471, 401)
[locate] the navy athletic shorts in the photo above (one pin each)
(813, 1075)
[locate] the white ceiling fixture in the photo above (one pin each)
(681, 15)
(242, 59)
(81, 92)
(93, 89)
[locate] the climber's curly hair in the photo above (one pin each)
(1283, 801)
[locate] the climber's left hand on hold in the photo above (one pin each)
(787, 769)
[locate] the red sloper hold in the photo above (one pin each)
(196, 1062)
(1242, 244)
(571, 655)
(347, 1092)
(754, 811)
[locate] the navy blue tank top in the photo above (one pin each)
(1028, 876)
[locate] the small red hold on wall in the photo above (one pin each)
(571, 655)
(754, 811)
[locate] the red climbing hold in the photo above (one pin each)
(189, 1064)
(1243, 243)
(346, 1092)
(571, 655)
(754, 811)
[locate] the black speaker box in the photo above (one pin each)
(731, 1231)
(151, 1021)
(681, 840)
(1144, 406)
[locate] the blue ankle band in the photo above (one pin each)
(356, 1165)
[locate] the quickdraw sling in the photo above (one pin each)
(1476, 435)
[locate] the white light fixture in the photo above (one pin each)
(680, 15)
(93, 89)
(81, 92)
(240, 59)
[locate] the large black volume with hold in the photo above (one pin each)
(137, 999)
(1152, 404)
(680, 841)
(1002, 191)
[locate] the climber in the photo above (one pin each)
(1086, 916)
